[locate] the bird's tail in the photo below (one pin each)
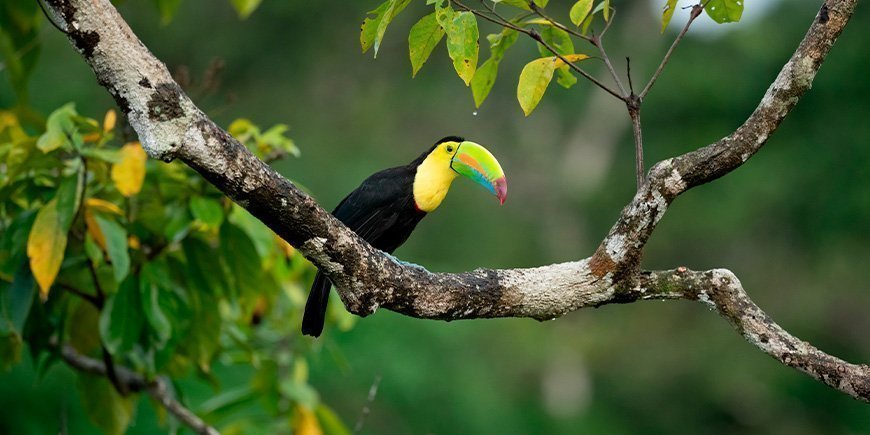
(315, 308)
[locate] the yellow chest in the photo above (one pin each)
(432, 183)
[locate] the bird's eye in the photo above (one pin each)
(449, 149)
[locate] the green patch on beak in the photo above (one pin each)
(477, 163)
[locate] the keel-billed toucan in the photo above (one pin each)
(387, 206)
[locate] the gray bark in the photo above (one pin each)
(170, 127)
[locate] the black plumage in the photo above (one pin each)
(382, 211)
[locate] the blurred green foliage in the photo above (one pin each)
(791, 224)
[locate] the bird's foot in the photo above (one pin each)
(404, 263)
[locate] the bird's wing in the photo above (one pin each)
(372, 208)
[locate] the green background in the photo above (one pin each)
(792, 223)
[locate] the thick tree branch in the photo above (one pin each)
(135, 382)
(171, 126)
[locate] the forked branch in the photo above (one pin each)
(171, 126)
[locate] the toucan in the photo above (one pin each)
(388, 205)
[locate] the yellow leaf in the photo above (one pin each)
(129, 173)
(133, 242)
(103, 205)
(570, 58)
(94, 229)
(92, 137)
(534, 79)
(541, 21)
(45, 246)
(109, 121)
(283, 246)
(306, 422)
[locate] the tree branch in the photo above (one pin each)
(696, 12)
(135, 382)
(171, 126)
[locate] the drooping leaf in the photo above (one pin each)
(243, 262)
(106, 408)
(424, 37)
(534, 79)
(462, 45)
(483, 81)
(116, 245)
(155, 279)
(374, 27)
(207, 210)
(129, 173)
(579, 11)
(245, 7)
(121, 320)
(103, 206)
(606, 10)
(668, 13)
(724, 11)
(329, 421)
(46, 245)
(305, 422)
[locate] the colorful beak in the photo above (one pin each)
(475, 162)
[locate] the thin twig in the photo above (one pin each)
(537, 10)
(157, 388)
(600, 44)
(88, 297)
(373, 391)
(696, 11)
(537, 37)
(633, 104)
(595, 41)
(628, 73)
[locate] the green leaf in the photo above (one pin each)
(591, 17)
(483, 81)
(13, 243)
(116, 245)
(59, 129)
(724, 11)
(206, 210)
(559, 39)
(534, 79)
(668, 13)
(500, 42)
(245, 7)
(105, 407)
(565, 77)
(201, 266)
(606, 10)
(329, 421)
(121, 320)
(424, 37)
(373, 28)
(154, 279)
(485, 76)
(462, 45)
(522, 4)
(243, 262)
(579, 11)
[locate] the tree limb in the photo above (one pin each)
(171, 126)
(135, 382)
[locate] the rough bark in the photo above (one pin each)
(170, 126)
